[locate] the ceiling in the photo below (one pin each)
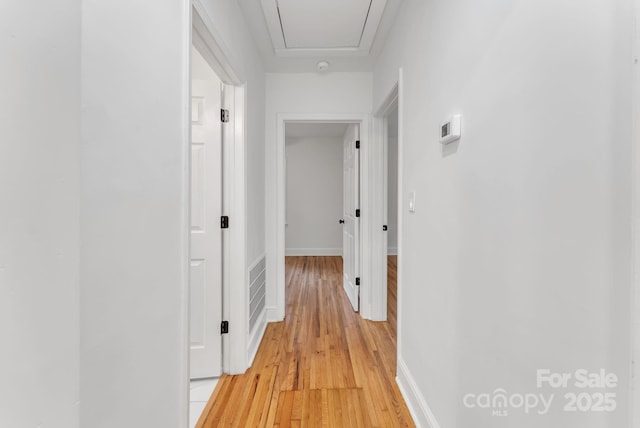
(294, 35)
(316, 130)
(307, 26)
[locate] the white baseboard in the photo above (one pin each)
(351, 294)
(272, 314)
(420, 412)
(313, 252)
(256, 337)
(392, 251)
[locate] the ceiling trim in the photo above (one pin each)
(272, 18)
(319, 52)
(373, 22)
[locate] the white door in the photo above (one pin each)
(351, 226)
(206, 233)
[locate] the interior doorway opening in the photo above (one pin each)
(391, 224)
(361, 256)
(227, 302)
(314, 188)
(387, 243)
(322, 196)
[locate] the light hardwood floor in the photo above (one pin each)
(322, 367)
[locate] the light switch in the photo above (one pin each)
(412, 201)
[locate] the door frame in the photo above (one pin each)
(381, 243)
(205, 39)
(364, 121)
(379, 205)
(634, 388)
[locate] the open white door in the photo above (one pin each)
(351, 226)
(206, 234)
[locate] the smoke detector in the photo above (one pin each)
(323, 66)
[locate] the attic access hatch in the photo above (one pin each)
(322, 27)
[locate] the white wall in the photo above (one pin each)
(134, 198)
(314, 195)
(635, 303)
(39, 227)
(392, 182)
(134, 234)
(518, 255)
(333, 93)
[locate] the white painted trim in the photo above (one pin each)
(273, 314)
(238, 287)
(313, 252)
(316, 52)
(372, 25)
(227, 159)
(185, 241)
(634, 411)
(418, 407)
(400, 264)
(379, 204)
(377, 207)
(272, 20)
(392, 251)
(209, 43)
(277, 313)
(235, 302)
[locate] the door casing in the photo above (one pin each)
(379, 204)
(203, 36)
(364, 120)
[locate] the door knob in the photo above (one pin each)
(341, 221)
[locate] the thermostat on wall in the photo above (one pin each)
(450, 130)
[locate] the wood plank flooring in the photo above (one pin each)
(322, 367)
(392, 294)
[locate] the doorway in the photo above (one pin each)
(314, 188)
(391, 191)
(228, 302)
(322, 196)
(355, 291)
(387, 242)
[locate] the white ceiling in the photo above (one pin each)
(316, 130)
(293, 35)
(316, 25)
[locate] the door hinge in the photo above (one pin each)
(224, 115)
(358, 212)
(357, 144)
(224, 327)
(224, 222)
(358, 281)
(385, 228)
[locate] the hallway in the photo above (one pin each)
(322, 366)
